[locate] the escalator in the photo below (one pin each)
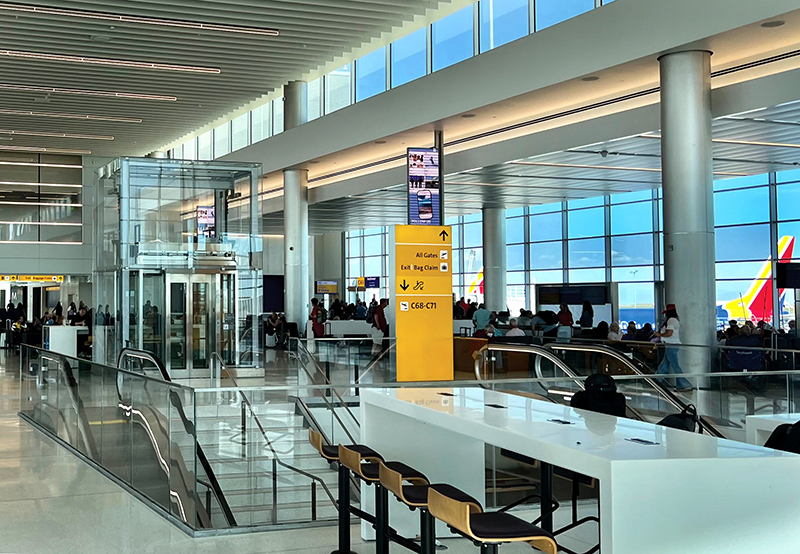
(648, 398)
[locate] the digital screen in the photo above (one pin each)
(788, 276)
(596, 294)
(206, 221)
(273, 293)
(327, 287)
(424, 187)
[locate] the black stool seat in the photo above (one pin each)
(503, 526)
(418, 494)
(330, 452)
(373, 471)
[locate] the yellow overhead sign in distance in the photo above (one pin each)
(423, 284)
(8, 278)
(41, 278)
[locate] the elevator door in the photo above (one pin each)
(194, 303)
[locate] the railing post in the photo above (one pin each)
(313, 501)
(244, 428)
(274, 491)
(328, 376)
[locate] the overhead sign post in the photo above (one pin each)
(423, 306)
(424, 187)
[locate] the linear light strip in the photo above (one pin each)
(34, 164)
(140, 20)
(84, 92)
(44, 150)
(55, 135)
(48, 223)
(10, 203)
(71, 243)
(87, 117)
(742, 142)
(40, 184)
(106, 61)
(615, 168)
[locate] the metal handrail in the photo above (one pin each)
(84, 425)
(333, 389)
(670, 397)
(276, 459)
(188, 425)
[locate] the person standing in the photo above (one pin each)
(565, 316)
(587, 316)
(669, 333)
(317, 318)
(380, 327)
(482, 317)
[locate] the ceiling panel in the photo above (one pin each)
(312, 33)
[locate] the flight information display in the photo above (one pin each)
(424, 187)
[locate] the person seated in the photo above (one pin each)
(487, 332)
(614, 331)
(630, 333)
(524, 319)
(601, 331)
(792, 329)
(645, 334)
(514, 331)
(547, 322)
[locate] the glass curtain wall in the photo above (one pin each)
(618, 239)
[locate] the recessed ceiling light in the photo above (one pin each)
(139, 20)
(18, 183)
(103, 93)
(88, 117)
(34, 164)
(468, 115)
(773, 24)
(104, 61)
(590, 78)
(55, 135)
(44, 150)
(101, 38)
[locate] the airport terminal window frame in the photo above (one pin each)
(338, 89)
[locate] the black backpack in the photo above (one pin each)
(322, 315)
(600, 396)
(785, 437)
(685, 421)
(371, 315)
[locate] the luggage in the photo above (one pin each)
(686, 420)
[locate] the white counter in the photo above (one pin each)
(687, 493)
(759, 428)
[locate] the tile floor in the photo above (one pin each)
(51, 502)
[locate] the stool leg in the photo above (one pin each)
(489, 548)
(344, 511)
(427, 532)
(381, 520)
(547, 496)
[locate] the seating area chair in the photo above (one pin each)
(465, 516)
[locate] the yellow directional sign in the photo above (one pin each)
(41, 278)
(362, 282)
(423, 303)
(8, 277)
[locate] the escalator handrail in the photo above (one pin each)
(263, 431)
(540, 352)
(668, 395)
(188, 426)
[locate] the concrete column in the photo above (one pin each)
(494, 259)
(688, 185)
(295, 215)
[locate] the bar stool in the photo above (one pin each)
(415, 496)
(370, 473)
(486, 529)
(331, 454)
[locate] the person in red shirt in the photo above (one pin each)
(565, 316)
(317, 326)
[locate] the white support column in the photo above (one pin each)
(295, 215)
(688, 187)
(494, 259)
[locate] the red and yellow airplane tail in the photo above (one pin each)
(756, 304)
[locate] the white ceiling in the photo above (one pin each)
(313, 33)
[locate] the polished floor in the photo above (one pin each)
(52, 502)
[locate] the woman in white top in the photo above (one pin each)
(614, 332)
(670, 336)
